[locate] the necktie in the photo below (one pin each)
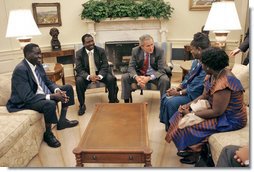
(91, 63)
(41, 82)
(145, 67)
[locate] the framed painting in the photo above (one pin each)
(200, 5)
(47, 14)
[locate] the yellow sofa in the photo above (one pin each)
(21, 132)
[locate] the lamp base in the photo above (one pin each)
(24, 41)
(221, 37)
(217, 44)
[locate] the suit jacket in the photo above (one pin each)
(157, 61)
(82, 62)
(194, 80)
(24, 87)
(245, 44)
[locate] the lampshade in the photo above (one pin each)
(222, 18)
(21, 25)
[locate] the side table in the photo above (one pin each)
(54, 71)
(63, 56)
(185, 66)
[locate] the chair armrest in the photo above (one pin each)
(111, 67)
(168, 71)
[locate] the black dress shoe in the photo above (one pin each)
(192, 159)
(51, 140)
(187, 161)
(82, 110)
(126, 101)
(166, 129)
(184, 153)
(114, 101)
(66, 124)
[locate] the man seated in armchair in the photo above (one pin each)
(147, 65)
(92, 66)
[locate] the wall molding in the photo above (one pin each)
(10, 58)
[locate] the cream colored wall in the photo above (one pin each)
(184, 23)
(182, 26)
(70, 32)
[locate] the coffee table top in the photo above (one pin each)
(116, 127)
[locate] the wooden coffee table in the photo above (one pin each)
(116, 133)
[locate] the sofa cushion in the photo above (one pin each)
(32, 115)
(12, 129)
(219, 140)
(242, 73)
(5, 89)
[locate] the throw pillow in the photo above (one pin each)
(5, 89)
(242, 73)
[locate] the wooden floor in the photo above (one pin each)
(164, 154)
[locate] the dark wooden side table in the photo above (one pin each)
(64, 56)
(185, 66)
(54, 71)
(116, 133)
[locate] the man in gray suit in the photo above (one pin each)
(146, 65)
(101, 68)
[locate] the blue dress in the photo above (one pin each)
(193, 83)
(234, 117)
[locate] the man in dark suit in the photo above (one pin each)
(234, 156)
(243, 48)
(31, 89)
(90, 55)
(147, 64)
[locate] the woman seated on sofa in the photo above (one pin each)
(192, 85)
(224, 93)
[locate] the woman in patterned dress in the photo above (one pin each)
(225, 95)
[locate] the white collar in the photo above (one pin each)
(31, 65)
(87, 51)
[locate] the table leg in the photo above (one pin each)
(79, 160)
(148, 160)
(63, 79)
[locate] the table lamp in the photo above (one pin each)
(21, 25)
(221, 19)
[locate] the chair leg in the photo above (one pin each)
(131, 98)
(57, 108)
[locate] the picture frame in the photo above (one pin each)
(47, 14)
(201, 5)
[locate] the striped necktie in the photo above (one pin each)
(41, 82)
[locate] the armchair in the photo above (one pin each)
(97, 84)
(167, 47)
